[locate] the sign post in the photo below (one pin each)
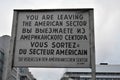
(62, 38)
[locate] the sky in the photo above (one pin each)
(106, 25)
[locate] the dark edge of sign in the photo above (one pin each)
(49, 67)
(59, 9)
(14, 35)
(92, 38)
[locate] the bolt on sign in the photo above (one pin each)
(62, 38)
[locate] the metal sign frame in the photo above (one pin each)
(91, 35)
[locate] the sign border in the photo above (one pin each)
(91, 34)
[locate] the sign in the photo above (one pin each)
(53, 38)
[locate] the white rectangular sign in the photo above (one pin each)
(53, 38)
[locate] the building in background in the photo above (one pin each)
(6, 72)
(4, 54)
(103, 72)
(25, 74)
(1, 62)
